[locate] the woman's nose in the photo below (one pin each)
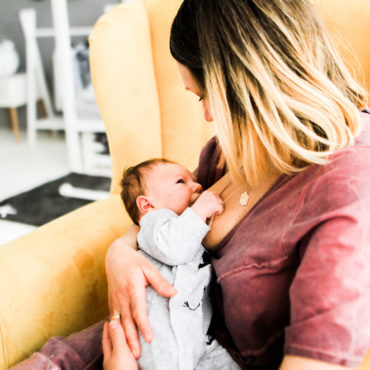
(206, 111)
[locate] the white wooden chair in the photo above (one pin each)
(36, 83)
(79, 130)
(13, 95)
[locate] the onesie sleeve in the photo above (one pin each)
(330, 293)
(172, 239)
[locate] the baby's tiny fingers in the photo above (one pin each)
(220, 209)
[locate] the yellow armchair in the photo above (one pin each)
(52, 280)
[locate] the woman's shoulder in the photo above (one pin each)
(364, 137)
(341, 183)
(353, 161)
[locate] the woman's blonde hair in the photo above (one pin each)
(280, 95)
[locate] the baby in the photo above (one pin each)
(164, 198)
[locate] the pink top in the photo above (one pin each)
(294, 275)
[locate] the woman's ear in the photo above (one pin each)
(143, 204)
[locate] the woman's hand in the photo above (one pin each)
(128, 273)
(117, 355)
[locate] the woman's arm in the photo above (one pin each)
(128, 273)
(302, 363)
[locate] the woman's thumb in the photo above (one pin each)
(117, 335)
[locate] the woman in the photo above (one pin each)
(289, 251)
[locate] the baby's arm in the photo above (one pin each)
(172, 239)
(175, 240)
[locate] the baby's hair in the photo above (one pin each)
(133, 184)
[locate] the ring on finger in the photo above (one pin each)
(116, 316)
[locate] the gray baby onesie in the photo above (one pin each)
(173, 244)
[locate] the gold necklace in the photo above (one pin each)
(243, 200)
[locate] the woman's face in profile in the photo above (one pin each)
(191, 85)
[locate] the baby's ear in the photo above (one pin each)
(143, 204)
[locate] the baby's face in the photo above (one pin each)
(172, 186)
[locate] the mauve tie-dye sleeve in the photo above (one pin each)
(330, 294)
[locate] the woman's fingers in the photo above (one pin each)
(119, 304)
(106, 342)
(138, 309)
(128, 274)
(117, 336)
(129, 326)
(158, 282)
(132, 336)
(137, 294)
(117, 355)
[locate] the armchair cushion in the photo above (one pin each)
(52, 280)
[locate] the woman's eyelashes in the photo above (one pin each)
(180, 181)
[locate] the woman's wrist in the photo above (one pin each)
(125, 244)
(129, 239)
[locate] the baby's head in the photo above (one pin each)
(158, 183)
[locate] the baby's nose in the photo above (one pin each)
(197, 188)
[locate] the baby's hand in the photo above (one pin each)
(208, 204)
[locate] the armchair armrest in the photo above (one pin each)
(52, 280)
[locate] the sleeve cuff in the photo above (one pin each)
(189, 217)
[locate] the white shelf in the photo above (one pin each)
(74, 31)
(75, 122)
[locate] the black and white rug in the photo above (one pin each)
(44, 203)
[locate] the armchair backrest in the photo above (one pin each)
(349, 27)
(141, 97)
(142, 100)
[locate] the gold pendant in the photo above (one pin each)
(244, 198)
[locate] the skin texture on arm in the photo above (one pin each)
(128, 273)
(303, 363)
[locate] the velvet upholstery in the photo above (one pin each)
(52, 280)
